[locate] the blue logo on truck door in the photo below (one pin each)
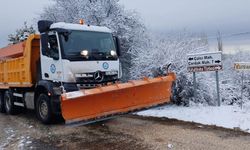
(52, 68)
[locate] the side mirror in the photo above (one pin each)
(44, 25)
(44, 43)
(117, 45)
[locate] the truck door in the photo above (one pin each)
(51, 57)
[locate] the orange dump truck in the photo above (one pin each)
(71, 70)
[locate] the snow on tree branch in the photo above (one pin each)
(155, 52)
(21, 34)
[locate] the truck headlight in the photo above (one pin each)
(113, 53)
(85, 53)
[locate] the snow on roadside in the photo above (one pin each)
(232, 117)
(10, 136)
(24, 142)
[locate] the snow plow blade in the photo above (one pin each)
(101, 102)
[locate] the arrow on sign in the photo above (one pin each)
(217, 61)
(190, 58)
(218, 68)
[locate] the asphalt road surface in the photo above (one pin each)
(123, 133)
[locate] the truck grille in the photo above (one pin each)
(90, 79)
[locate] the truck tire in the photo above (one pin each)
(43, 109)
(2, 108)
(9, 106)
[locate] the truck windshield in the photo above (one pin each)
(97, 44)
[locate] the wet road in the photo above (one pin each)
(127, 133)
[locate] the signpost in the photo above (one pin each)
(204, 62)
(242, 66)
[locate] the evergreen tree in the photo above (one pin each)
(21, 34)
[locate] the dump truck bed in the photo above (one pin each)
(18, 63)
(12, 51)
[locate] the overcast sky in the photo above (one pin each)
(228, 16)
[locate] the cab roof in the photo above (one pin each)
(80, 27)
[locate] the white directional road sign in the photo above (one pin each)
(242, 66)
(211, 61)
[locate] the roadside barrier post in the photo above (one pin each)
(242, 88)
(218, 88)
(195, 85)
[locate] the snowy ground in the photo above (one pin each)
(232, 117)
(24, 132)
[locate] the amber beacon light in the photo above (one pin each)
(81, 21)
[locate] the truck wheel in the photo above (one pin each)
(9, 106)
(2, 108)
(43, 109)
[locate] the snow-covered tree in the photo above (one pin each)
(231, 79)
(219, 41)
(127, 25)
(21, 34)
(160, 51)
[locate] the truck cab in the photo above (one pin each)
(78, 56)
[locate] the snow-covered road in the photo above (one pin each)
(24, 132)
(232, 117)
